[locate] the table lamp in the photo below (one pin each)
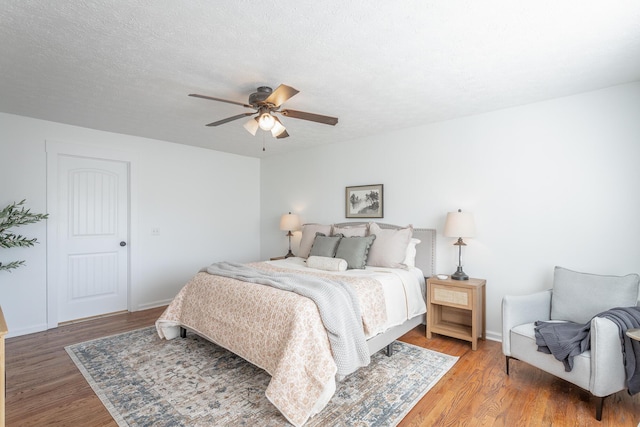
(289, 222)
(459, 224)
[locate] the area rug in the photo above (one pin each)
(145, 381)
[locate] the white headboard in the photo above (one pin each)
(425, 250)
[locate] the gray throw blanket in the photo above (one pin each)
(566, 340)
(337, 303)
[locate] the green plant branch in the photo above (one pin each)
(10, 240)
(11, 265)
(15, 215)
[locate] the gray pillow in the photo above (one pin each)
(308, 235)
(324, 245)
(578, 297)
(354, 250)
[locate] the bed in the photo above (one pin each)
(283, 332)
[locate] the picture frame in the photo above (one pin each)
(364, 201)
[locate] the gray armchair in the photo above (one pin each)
(576, 297)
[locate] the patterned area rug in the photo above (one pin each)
(145, 381)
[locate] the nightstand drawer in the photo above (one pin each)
(451, 296)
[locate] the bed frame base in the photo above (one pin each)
(387, 338)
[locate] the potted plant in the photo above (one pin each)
(15, 215)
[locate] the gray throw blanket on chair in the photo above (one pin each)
(337, 303)
(566, 340)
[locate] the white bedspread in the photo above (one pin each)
(404, 290)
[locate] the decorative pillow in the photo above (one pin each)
(410, 255)
(326, 263)
(390, 247)
(354, 250)
(325, 245)
(352, 230)
(308, 235)
(578, 297)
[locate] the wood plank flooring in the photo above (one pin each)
(44, 387)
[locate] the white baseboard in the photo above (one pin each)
(26, 331)
(494, 336)
(153, 304)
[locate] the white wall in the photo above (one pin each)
(551, 183)
(206, 204)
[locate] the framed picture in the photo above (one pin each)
(364, 201)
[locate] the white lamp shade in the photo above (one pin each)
(289, 222)
(277, 128)
(251, 126)
(459, 224)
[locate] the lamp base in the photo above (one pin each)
(289, 254)
(459, 274)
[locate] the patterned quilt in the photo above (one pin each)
(278, 331)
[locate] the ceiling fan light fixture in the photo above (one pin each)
(251, 126)
(267, 121)
(277, 129)
(265, 103)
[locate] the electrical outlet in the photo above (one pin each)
(155, 231)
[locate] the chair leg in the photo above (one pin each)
(599, 404)
(507, 359)
(599, 400)
(183, 332)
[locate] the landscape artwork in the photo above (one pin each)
(364, 201)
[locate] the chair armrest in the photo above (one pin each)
(517, 310)
(607, 363)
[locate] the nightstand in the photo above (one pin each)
(456, 308)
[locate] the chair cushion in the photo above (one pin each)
(524, 348)
(577, 297)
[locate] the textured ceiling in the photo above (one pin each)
(127, 66)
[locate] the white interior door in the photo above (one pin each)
(93, 218)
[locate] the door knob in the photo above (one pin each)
(123, 243)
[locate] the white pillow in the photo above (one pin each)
(351, 230)
(410, 256)
(390, 247)
(308, 235)
(326, 263)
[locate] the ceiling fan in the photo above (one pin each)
(266, 102)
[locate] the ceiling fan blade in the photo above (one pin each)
(283, 134)
(220, 99)
(230, 119)
(281, 94)
(310, 116)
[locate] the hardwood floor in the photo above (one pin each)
(44, 387)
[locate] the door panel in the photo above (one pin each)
(93, 221)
